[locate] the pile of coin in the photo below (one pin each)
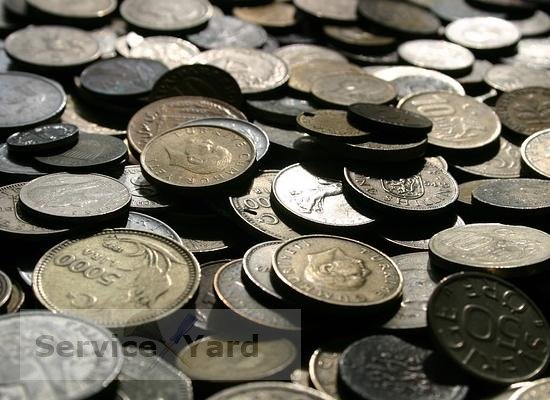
(362, 184)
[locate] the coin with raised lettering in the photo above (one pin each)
(329, 124)
(43, 138)
(225, 31)
(523, 111)
(146, 223)
(145, 197)
(483, 33)
(323, 370)
(535, 153)
(436, 54)
(506, 78)
(463, 315)
(505, 250)
(271, 390)
(171, 51)
(257, 269)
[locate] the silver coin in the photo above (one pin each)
(532, 53)
(295, 54)
(226, 31)
(535, 153)
(257, 267)
(506, 78)
(342, 11)
(536, 25)
(483, 33)
(145, 197)
(270, 390)
(5, 289)
(146, 223)
(72, 9)
(171, 51)
(436, 54)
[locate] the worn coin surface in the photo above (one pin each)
(524, 111)
(5, 288)
(143, 222)
(355, 36)
(459, 122)
(197, 157)
(389, 119)
(71, 9)
(295, 54)
(436, 54)
(254, 70)
(257, 267)
(539, 389)
(505, 250)
(337, 271)
(225, 31)
(52, 46)
(303, 75)
(171, 51)
(145, 197)
(506, 78)
(271, 390)
(342, 11)
(29, 372)
(166, 15)
(283, 110)
(117, 277)
(465, 190)
(166, 114)
(483, 33)
(535, 153)
(276, 15)
(463, 315)
(205, 299)
(329, 124)
(45, 137)
(323, 371)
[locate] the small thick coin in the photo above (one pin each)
(270, 390)
(43, 138)
(170, 51)
(5, 289)
(524, 111)
(277, 15)
(254, 208)
(415, 372)
(166, 15)
(419, 188)
(30, 352)
(459, 122)
(225, 31)
(337, 271)
(539, 389)
(74, 277)
(342, 11)
(329, 124)
(389, 119)
(91, 152)
(535, 153)
(505, 250)
(145, 197)
(198, 80)
(205, 299)
(347, 89)
(506, 78)
(303, 75)
(418, 285)
(315, 196)
(84, 9)
(80, 114)
(197, 157)
(27, 100)
(233, 293)
(125, 77)
(255, 71)
(75, 198)
(281, 111)
(436, 54)
(166, 114)
(257, 268)
(256, 134)
(356, 38)
(295, 54)
(143, 222)
(52, 46)
(514, 197)
(463, 315)
(323, 370)
(483, 33)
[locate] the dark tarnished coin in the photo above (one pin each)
(483, 33)
(75, 198)
(225, 31)
(27, 100)
(436, 54)
(525, 111)
(276, 15)
(145, 197)
(166, 15)
(539, 389)
(30, 371)
(355, 37)
(329, 124)
(514, 197)
(41, 138)
(197, 157)
(506, 78)
(5, 289)
(418, 285)
(281, 110)
(505, 250)
(166, 114)
(146, 223)
(145, 375)
(465, 190)
(304, 75)
(337, 271)
(271, 390)
(232, 292)
(535, 153)
(459, 122)
(323, 370)
(254, 208)
(389, 119)
(346, 89)
(270, 357)
(169, 50)
(13, 169)
(418, 188)
(52, 46)
(117, 277)
(256, 134)
(205, 300)
(368, 366)
(399, 17)
(342, 11)
(466, 315)
(254, 70)
(257, 268)
(198, 80)
(316, 196)
(122, 76)
(295, 54)
(83, 9)
(91, 152)
(80, 114)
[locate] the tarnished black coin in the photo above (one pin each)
(43, 138)
(366, 365)
(145, 197)
(27, 100)
(418, 188)
(534, 153)
(225, 31)
(389, 119)
(257, 268)
(198, 80)
(514, 197)
(91, 152)
(15, 169)
(124, 77)
(206, 297)
(330, 124)
(399, 17)
(524, 111)
(466, 315)
(279, 111)
(146, 223)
